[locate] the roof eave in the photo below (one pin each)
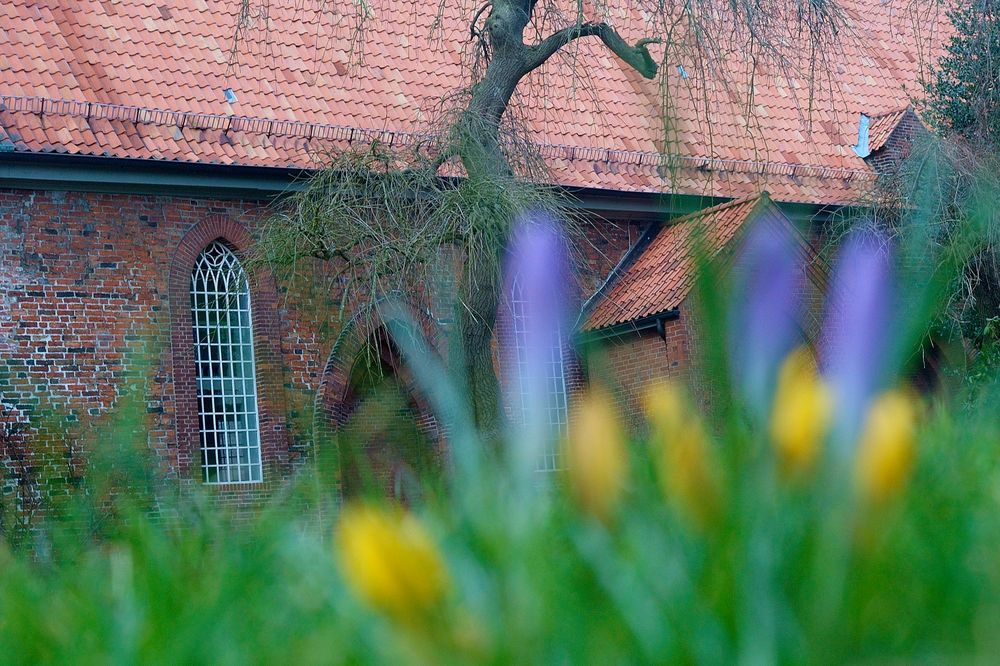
(96, 173)
(623, 330)
(91, 173)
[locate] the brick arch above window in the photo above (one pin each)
(266, 338)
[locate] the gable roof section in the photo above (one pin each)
(146, 79)
(882, 126)
(659, 272)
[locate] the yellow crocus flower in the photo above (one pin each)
(801, 414)
(390, 561)
(887, 448)
(687, 470)
(595, 454)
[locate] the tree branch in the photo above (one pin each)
(474, 31)
(638, 56)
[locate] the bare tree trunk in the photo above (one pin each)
(486, 166)
(485, 163)
(337, 227)
(481, 298)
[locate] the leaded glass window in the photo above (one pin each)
(227, 390)
(556, 410)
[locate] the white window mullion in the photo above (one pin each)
(226, 372)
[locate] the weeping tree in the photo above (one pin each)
(385, 216)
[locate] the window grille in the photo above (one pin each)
(227, 390)
(557, 411)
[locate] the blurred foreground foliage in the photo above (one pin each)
(711, 539)
(785, 570)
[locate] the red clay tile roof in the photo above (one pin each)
(140, 71)
(658, 273)
(882, 127)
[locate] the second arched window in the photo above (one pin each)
(556, 408)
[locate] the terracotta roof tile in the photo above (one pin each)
(882, 127)
(128, 53)
(658, 273)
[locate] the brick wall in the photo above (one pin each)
(638, 360)
(94, 295)
(93, 292)
(605, 243)
(897, 148)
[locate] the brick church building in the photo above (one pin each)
(137, 161)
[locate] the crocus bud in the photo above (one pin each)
(687, 470)
(857, 332)
(887, 448)
(595, 454)
(764, 309)
(800, 414)
(391, 562)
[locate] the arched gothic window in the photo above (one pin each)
(227, 390)
(557, 411)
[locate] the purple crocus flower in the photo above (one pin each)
(764, 315)
(538, 283)
(857, 329)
